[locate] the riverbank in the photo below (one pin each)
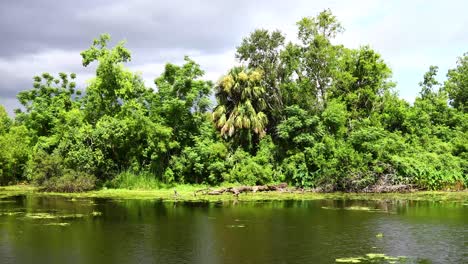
(188, 193)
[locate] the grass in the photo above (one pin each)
(186, 193)
(129, 180)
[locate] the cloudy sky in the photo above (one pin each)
(47, 36)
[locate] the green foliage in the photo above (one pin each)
(294, 169)
(113, 84)
(71, 181)
(361, 81)
(5, 121)
(334, 118)
(14, 153)
(50, 173)
(204, 162)
(430, 170)
(46, 103)
(311, 113)
(241, 102)
(457, 84)
(252, 170)
(261, 50)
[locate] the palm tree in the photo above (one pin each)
(241, 101)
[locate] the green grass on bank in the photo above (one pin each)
(187, 193)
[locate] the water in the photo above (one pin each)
(59, 230)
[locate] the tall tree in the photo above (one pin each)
(361, 81)
(429, 82)
(45, 104)
(113, 84)
(311, 65)
(261, 50)
(181, 98)
(457, 84)
(241, 104)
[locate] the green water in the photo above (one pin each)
(60, 230)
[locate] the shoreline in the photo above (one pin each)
(186, 193)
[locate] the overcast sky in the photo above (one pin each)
(47, 36)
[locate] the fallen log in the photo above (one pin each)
(243, 189)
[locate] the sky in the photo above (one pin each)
(48, 35)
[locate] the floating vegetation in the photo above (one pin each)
(96, 213)
(57, 224)
(330, 208)
(51, 216)
(40, 216)
(71, 216)
(379, 235)
(11, 213)
(362, 208)
(7, 201)
(353, 208)
(372, 258)
(235, 226)
(349, 260)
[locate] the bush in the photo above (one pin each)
(14, 153)
(202, 163)
(294, 169)
(71, 181)
(430, 170)
(43, 166)
(252, 170)
(49, 173)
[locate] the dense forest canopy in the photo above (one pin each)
(310, 113)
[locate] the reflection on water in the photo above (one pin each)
(60, 230)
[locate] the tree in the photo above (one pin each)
(318, 56)
(241, 104)
(182, 99)
(14, 154)
(361, 81)
(45, 106)
(429, 82)
(113, 84)
(457, 84)
(5, 121)
(261, 50)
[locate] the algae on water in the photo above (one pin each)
(57, 224)
(51, 216)
(372, 258)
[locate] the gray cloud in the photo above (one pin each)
(47, 35)
(33, 26)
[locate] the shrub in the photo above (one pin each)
(71, 181)
(294, 169)
(252, 170)
(430, 170)
(14, 153)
